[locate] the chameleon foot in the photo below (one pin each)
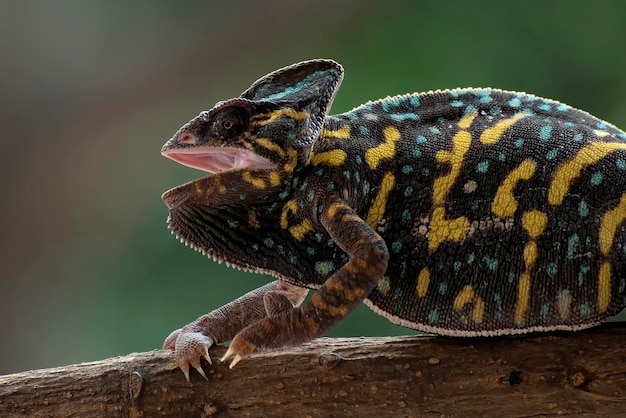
(189, 349)
(238, 349)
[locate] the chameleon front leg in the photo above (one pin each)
(193, 341)
(334, 300)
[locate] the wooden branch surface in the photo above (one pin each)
(563, 374)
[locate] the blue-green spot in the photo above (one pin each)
(596, 178)
(519, 142)
(583, 209)
(551, 269)
(552, 153)
(324, 268)
(396, 247)
(406, 169)
(572, 243)
(584, 269)
(491, 263)
(408, 191)
(406, 215)
(443, 288)
(433, 316)
(457, 266)
(620, 164)
(545, 133)
(416, 152)
(515, 102)
(456, 103)
(544, 310)
(585, 312)
(482, 166)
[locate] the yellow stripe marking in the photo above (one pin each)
(611, 221)
(387, 149)
(274, 178)
(493, 134)
(342, 133)
(534, 222)
(465, 296)
(504, 204)
(379, 205)
(267, 144)
(569, 171)
(333, 158)
(442, 229)
(299, 231)
(256, 182)
(266, 118)
(293, 160)
(289, 207)
(479, 310)
(604, 287)
(383, 285)
(334, 208)
(423, 280)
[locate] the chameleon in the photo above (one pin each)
(462, 212)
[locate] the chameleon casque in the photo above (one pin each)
(459, 212)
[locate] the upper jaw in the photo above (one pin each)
(218, 159)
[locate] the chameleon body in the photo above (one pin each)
(459, 212)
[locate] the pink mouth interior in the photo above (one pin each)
(218, 160)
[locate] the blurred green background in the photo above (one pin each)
(90, 90)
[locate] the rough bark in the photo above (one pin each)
(564, 374)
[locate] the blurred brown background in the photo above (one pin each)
(90, 90)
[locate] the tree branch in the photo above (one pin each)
(548, 375)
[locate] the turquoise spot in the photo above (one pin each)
(622, 286)
(584, 269)
(495, 110)
(511, 277)
(282, 194)
(301, 85)
(569, 124)
(620, 164)
(319, 172)
(324, 268)
(583, 209)
(425, 171)
(562, 108)
(584, 310)
(293, 259)
(544, 310)
(482, 166)
(518, 143)
(407, 169)
(515, 102)
(502, 157)
(456, 103)
(441, 120)
(280, 249)
(318, 237)
(255, 246)
(578, 137)
(455, 93)
(414, 100)
(330, 243)
(358, 159)
(485, 98)
(347, 174)
(357, 177)
(601, 125)
(400, 117)
(406, 215)
(268, 242)
(396, 247)
(310, 195)
(551, 269)
(242, 197)
(434, 130)
(545, 133)
(364, 130)
(344, 257)
(408, 191)
(596, 178)
(552, 153)
(421, 139)
(491, 263)
(294, 183)
(416, 153)
(443, 288)
(433, 316)
(470, 258)
(457, 266)
(470, 109)
(572, 243)
(310, 250)
(544, 106)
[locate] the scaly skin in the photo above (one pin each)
(460, 212)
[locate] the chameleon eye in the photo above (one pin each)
(230, 122)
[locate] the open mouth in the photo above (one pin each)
(217, 159)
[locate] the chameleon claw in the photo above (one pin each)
(196, 365)
(185, 369)
(228, 353)
(236, 360)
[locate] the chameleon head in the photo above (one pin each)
(267, 131)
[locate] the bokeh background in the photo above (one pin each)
(90, 90)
